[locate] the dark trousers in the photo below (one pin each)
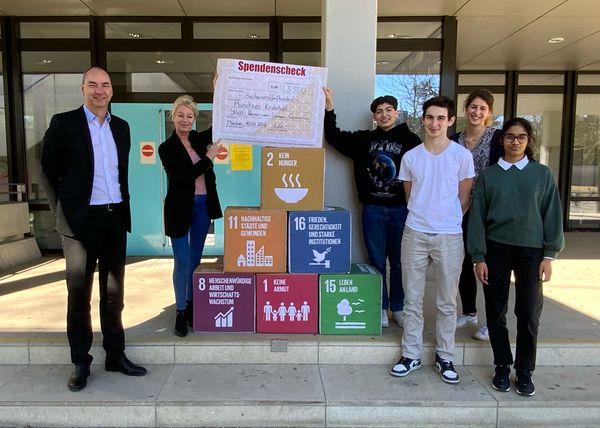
(501, 259)
(102, 242)
(467, 284)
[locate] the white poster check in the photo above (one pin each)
(269, 104)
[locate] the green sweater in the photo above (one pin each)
(516, 207)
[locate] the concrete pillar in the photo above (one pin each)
(349, 45)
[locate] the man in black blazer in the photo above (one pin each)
(85, 160)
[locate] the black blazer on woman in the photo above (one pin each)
(182, 174)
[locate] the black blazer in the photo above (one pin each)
(68, 168)
(182, 173)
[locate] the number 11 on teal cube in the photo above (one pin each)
(350, 303)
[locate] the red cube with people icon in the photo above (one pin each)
(287, 303)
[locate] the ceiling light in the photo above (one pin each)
(46, 61)
(382, 63)
(392, 35)
(160, 61)
(555, 40)
(134, 35)
(253, 36)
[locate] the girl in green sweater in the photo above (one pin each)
(515, 226)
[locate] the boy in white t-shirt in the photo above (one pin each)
(438, 176)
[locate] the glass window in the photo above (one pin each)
(585, 176)
(588, 79)
(409, 30)
(4, 179)
(55, 30)
(169, 71)
(44, 96)
(545, 112)
(312, 59)
(412, 77)
(54, 62)
(541, 79)
(231, 30)
(143, 30)
(301, 30)
(481, 80)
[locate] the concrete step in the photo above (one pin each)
(164, 348)
(293, 395)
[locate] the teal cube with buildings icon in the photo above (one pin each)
(350, 303)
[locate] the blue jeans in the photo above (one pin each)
(382, 232)
(187, 251)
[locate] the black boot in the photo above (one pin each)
(189, 313)
(181, 329)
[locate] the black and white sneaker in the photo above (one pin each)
(524, 383)
(501, 380)
(405, 366)
(446, 369)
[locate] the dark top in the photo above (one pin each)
(68, 168)
(376, 156)
(182, 174)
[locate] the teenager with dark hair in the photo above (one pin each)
(515, 226)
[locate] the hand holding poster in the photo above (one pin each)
(268, 103)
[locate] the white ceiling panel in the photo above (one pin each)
(528, 8)
(228, 7)
(44, 8)
(583, 55)
(578, 8)
(135, 7)
(418, 7)
(298, 7)
(476, 34)
(528, 44)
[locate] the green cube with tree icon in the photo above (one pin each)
(350, 303)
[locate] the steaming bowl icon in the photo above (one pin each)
(291, 195)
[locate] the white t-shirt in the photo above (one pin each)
(434, 206)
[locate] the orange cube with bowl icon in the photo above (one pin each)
(292, 179)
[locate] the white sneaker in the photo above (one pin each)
(483, 333)
(398, 317)
(465, 320)
(385, 322)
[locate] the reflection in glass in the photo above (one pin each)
(231, 30)
(409, 30)
(544, 111)
(541, 79)
(4, 179)
(54, 30)
(585, 176)
(54, 62)
(142, 30)
(411, 90)
(301, 30)
(413, 78)
(179, 72)
(44, 96)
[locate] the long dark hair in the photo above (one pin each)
(519, 121)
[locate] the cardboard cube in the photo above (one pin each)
(292, 178)
(255, 240)
(223, 302)
(319, 241)
(350, 303)
(287, 303)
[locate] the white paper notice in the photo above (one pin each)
(268, 103)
